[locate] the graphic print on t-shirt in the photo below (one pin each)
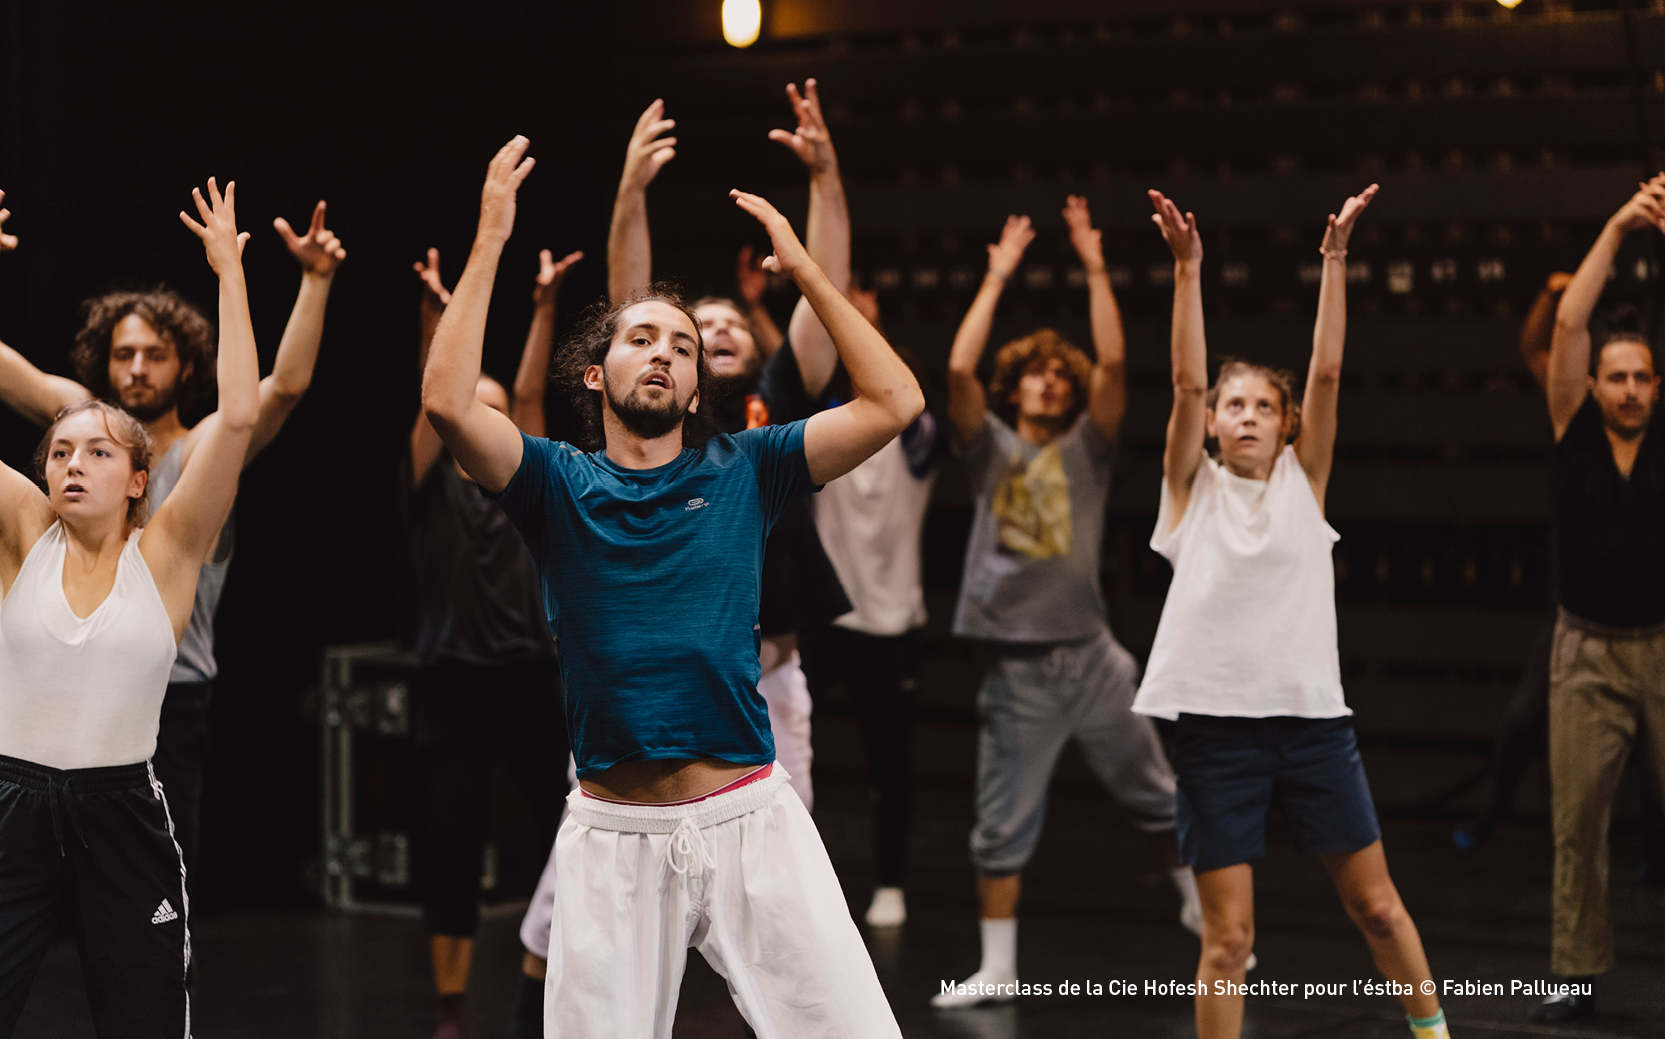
(1032, 505)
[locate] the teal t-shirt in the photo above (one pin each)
(650, 579)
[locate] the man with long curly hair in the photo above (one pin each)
(154, 354)
(1038, 445)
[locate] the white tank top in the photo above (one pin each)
(1248, 629)
(82, 692)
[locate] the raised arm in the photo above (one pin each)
(25, 513)
(483, 440)
(1537, 332)
(1107, 394)
(1315, 446)
(752, 280)
(319, 253)
(26, 389)
(887, 397)
(425, 445)
(1188, 421)
(967, 400)
(826, 234)
(1569, 353)
(629, 250)
(532, 377)
(187, 526)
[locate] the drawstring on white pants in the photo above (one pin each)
(687, 851)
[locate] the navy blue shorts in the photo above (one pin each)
(1230, 770)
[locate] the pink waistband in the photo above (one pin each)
(761, 772)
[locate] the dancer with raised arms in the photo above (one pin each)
(97, 598)
(153, 354)
(486, 688)
(1607, 661)
(1038, 445)
(682, 833)
(1245, 655)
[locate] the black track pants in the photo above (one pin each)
(94, 848)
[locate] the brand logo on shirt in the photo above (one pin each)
(164, 913)
(696, 503)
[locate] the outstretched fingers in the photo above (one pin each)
(756, 205)
(651, 114)
(317, 227)
(203, 209)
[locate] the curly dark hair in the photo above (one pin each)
(125, 430)
(1038, 347)
(589, 345)
(173, 318)
(1281, 380)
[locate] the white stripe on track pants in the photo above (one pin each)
(743, 878)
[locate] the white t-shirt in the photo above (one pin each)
(870, 520)
(1248, 630)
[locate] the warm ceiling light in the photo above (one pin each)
(1510, 4)
(743, 20)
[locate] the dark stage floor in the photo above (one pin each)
(1096, 909)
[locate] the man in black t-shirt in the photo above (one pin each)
(487, 687)
(801, 591)
(1607, 668)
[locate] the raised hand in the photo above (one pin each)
(8, 242)
(1006, 254)
(810, 142)
(550, 273)
(1340, 228)
(497, 198)
(1087, 239)
(648, 152)
(1178, 229)
(318, 251)
(434, 290)
(218, 229)
(789, 255)
(750, 276)
(1646, 208)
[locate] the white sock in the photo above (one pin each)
(1186, 883)
(999, 948)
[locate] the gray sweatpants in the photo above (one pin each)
(1032, 701)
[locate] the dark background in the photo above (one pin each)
(1501, 140)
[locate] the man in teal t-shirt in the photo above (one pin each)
(682, 833)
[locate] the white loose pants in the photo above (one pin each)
(786, 691)
(743, 878)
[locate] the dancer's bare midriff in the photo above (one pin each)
(655, 782)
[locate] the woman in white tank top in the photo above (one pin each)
(1245, 655)
(95, 600)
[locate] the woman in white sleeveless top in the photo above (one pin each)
(1245, 655)
(95, 602)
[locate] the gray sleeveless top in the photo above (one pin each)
(195, 662)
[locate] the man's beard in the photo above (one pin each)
(149, 411)
(646, 420)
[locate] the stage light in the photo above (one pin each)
(743, 20)
(1510, 4)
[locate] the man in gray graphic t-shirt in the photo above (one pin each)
(1037, 444)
